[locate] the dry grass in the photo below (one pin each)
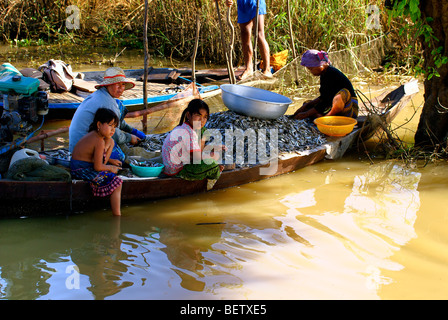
(329, 25)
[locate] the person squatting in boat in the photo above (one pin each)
(91, 159)
(337, 96)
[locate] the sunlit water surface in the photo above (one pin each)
(344, 229)
(335, 230)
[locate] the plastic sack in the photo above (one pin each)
(278, 60)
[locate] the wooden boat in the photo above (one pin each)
(163, 84)
(21, 198)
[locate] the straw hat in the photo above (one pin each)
(115, 75)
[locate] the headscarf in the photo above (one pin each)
(313, 58)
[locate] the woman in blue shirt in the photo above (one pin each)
(106, 96)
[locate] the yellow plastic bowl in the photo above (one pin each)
(335, 126)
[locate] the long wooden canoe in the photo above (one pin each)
(163, 84)
(160, 88)
(32, 198)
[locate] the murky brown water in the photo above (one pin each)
(335, 230)
(345, 229)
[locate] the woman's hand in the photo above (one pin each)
(134, 140)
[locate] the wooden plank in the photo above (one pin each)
(85, 86)
(166, 75)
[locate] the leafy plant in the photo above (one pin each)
(421, 28)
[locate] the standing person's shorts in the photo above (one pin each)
(247, 9)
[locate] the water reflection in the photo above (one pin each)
(332, 238)
(360, 235)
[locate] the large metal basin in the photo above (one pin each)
(254, 102)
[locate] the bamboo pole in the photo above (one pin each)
(195, 50)
(145, 72)
(256, 36)
(44, 134)
(291, 36)
(232, 41)
(224, 45)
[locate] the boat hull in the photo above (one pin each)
(41, 198)
(24, 198)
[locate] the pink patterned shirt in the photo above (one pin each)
(177, 148)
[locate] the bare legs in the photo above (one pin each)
(248, 52)
(115, 201)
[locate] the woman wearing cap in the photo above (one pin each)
(337, 96)
(106, 96)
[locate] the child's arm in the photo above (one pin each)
(110, 143)
(98, 155)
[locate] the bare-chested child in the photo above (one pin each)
(91, 159)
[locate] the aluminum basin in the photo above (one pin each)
(254, 102)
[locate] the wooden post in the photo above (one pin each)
(232, 40)
(291, 36)
(145, 75)
(256, 36)
(193, 57)
(224, 45)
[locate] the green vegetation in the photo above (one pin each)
(329, 25)
(405, 9)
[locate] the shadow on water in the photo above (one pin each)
(329, 231)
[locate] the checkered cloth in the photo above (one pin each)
(103, 183)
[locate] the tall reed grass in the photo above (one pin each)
(330, 25)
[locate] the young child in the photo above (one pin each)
(90, 158)
(182, 148)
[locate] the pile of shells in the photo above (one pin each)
(153, 142)
(292, 135)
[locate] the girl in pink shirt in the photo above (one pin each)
(182, 148)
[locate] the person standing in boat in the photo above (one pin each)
(91, 159)
(106, 96)
(246, 19)
(337, 96)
